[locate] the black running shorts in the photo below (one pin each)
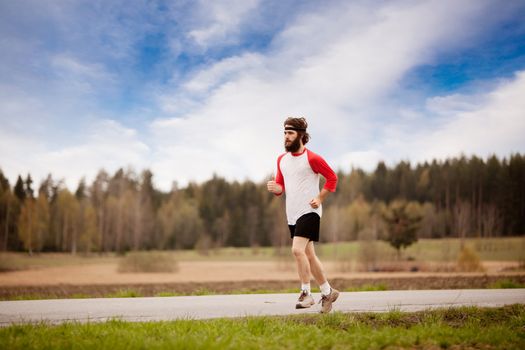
(306, 226)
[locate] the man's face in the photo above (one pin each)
(292, 142)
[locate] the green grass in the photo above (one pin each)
(368, 288)
(125, 293)
(465, 327)
(488, 249)
(132, 293)
(506, 283)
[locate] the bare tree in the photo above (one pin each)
(277, 223)
(462, 220)
(252, 221)
(26, 226)
(88, 236)
(8, 199)
(491, 222)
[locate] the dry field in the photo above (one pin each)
(103, 279)
(245, 269)
(206, 271)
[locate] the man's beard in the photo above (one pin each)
(294, 146)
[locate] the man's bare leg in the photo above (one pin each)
(315, 264)
(329, 295)
(303, 265)
(303, 269)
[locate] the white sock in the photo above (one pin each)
(325, 288)
(306, 287)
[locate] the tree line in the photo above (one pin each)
(457, 197)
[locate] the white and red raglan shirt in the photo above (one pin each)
(298, 174)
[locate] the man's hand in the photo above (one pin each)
(315, 203)
(274, 187)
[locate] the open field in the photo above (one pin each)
(203, 271)
(463, 327)
(425, 251)
(228, 270)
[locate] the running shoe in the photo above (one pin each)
(305, 300)
(327, 300)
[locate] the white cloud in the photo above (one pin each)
(339, 77)
(222, 21)
(482, 124)
(224, 70)
(341, 66)
(452, 104)
(108, 145)
(81, 77)
(495, 125)
(16, 155)
(70, 65)
(366, 160)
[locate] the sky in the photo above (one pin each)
(189, 89)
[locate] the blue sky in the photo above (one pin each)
(192, 88)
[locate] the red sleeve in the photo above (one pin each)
(279, 176)
(320, 166)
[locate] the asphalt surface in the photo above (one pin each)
(215, 306)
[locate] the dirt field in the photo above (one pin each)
(203, 271)
(226, 276)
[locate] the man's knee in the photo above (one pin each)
(298, 251)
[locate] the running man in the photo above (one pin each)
(298, 176)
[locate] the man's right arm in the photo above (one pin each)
(276, 186)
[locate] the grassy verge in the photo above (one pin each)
(264, 287)
(465, 327)
(133, 293)
(506, 283)
(446, 249)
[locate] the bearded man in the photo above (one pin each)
(298, 173)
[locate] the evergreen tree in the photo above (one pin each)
(402, 226)
(6, 203)
(80, 193)
(28, 187)
(19, 189)
(4, 182)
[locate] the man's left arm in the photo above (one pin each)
(320, 166)
(317, 201)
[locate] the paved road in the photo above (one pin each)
(204, 307)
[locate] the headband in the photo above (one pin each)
(294, 128)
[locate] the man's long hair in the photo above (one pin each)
(301, 124)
